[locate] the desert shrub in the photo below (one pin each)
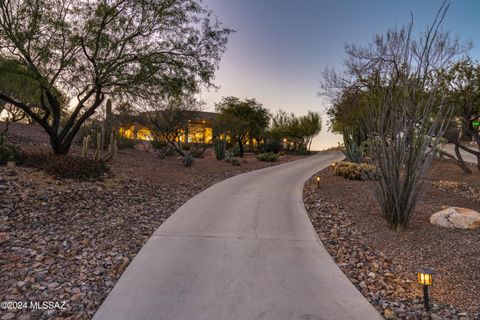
(8, 151)
(303, 152)
(271, 146)
(66, 166)
(186, 147)
(234, 151)
(125, 143)
(187, 160)
(163, 148)
(197, 153)
(198, 149)
(268, 157)
(355, 171)
(157, 144)
(235, 162)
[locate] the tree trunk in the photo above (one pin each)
(458, 161)
(59, 147)
(240, 145)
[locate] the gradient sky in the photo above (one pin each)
(281, 47)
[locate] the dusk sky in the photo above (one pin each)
(281, 47)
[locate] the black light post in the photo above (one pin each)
(425, 278)
(318, 182)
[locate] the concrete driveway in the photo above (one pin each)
(467, 157)
(242, 249)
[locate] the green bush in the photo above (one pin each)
(66, 167)
(157, 144)
(125, 143)
(198, 153)
(234, 151)
(186, 147)
(268, 157)
(199, 149)
(303, 152)
(271, 146)
(8, 151)
(355, 171)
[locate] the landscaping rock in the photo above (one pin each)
(65, 240)
(4, 237)
(457, 218)
(389, 287)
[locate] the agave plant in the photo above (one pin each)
(353, 150)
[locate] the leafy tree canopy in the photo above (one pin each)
(243, 119)
(91, 49)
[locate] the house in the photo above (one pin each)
(198, 129)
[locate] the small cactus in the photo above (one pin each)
(85, 146)
(100, 155)
(220, 149)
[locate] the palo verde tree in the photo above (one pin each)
(91, 49)
(406, 116)
(18, 81)
(310, 127)
(242, 119)
(299, 130)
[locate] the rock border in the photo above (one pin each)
(392, 293)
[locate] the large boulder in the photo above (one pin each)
(457, 218)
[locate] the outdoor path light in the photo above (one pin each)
(318, 182)
(425, 278)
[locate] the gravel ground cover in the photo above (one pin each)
(381, 263)
(69, 241)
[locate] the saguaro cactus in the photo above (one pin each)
(220, 149)
(100, 154)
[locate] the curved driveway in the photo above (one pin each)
(242, 249)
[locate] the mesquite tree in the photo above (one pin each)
(406, 109)
(91, 49)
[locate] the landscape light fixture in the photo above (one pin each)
(425, 278)
(333, 165)
(318, 182)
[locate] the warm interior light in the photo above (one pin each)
(425, 276)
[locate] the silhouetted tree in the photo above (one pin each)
(242, 119)
(91, 49)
